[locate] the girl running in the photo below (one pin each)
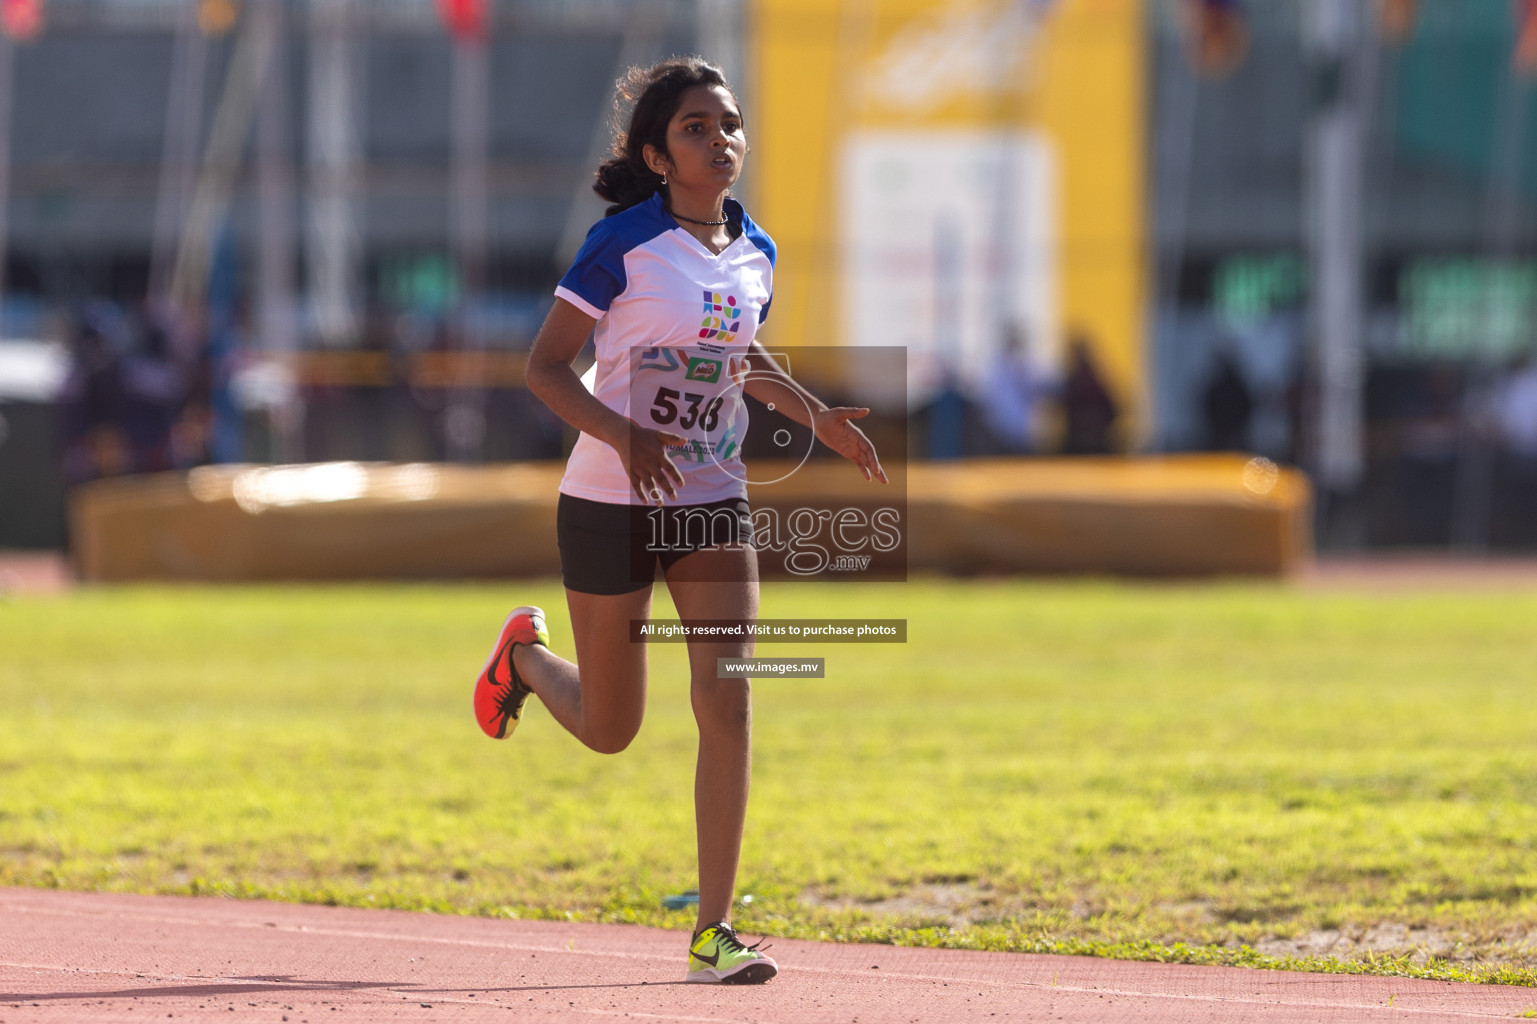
(672, 286)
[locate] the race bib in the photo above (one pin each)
(694, 392)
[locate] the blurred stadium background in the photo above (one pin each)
(305, 231)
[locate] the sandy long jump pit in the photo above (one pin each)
(110, 957)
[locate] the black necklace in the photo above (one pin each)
(706, 223)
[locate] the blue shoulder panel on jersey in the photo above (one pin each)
(758, 237)
(597, 274)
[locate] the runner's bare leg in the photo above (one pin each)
(723, 711)
(603, 702)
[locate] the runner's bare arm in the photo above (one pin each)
(552, 380)
(772, 386)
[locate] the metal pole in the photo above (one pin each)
(1334, 167)
(718, 32)
(7, 98)
(222, 157)
(1178, 100)
(332, 234)
(178, 154)
(1473, 489)
(465, 420)
(275, 235)
(718, 38)
(641, 41)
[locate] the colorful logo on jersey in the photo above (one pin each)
(655, 358)
(704, 370)
(722, 316)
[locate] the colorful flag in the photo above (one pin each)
(1525, 58)
(21, 19)
(1216, 34)
(464, 18)
(1396, 18)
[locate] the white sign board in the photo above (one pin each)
(949, 249)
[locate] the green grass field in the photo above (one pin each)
(1222, 774)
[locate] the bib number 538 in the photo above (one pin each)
(698, 409)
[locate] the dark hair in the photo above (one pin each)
(652, 96)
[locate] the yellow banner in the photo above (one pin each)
(958, 177)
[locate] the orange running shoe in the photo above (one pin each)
(499, 693)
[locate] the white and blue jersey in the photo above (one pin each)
(674, 323)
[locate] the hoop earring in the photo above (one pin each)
(664, 179)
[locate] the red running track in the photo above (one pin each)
(93, 957)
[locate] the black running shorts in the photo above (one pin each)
(613, 549)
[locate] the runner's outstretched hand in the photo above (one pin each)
(833, 429)
(646, 462)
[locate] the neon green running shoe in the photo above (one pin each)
(717, 956)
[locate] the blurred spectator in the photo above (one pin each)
(1434, 421)
(155, 387)
(1088, 410)
(1226, 406)
(92, 400)
(192, 432)
(1012, 393)
(1515, 406)
(1513, 515)
(125, 399)
(1418, 428)
(947, 418)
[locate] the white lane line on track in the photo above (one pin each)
(406, 995)
(122, 972)
(715, 1019)
(351, 933)
(1125, 993)
(836, 971)
(140, 975)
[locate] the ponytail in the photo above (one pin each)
(625, 185)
